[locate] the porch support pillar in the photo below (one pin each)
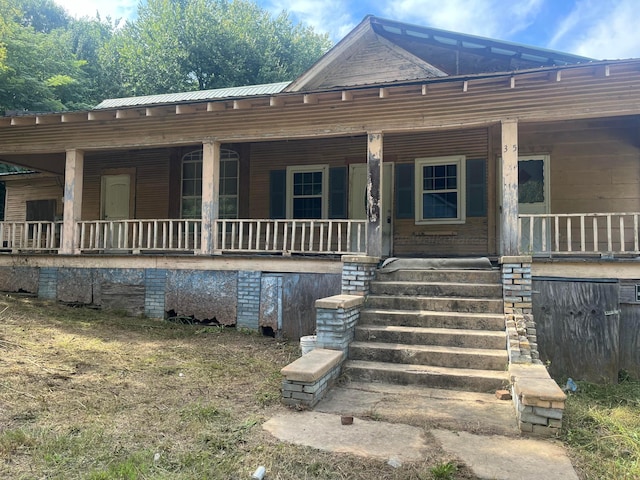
(73, 181)
(510, 242)
(374, 194)
(210, 195)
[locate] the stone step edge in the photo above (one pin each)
(395, 311)
(435, 330)
(434, 349)
(426, 369)
(431, 297)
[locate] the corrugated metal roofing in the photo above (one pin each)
(197, 95)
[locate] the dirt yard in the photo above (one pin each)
(94, 395)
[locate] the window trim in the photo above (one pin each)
(292, 170)
(225, 156)
(460, 162)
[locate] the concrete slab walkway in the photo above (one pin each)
(406, 423)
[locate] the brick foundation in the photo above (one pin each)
(249, 299)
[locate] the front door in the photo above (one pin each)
(116, 204)
(533, 198)
(358, 200)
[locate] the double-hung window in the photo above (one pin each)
(440, 190)
(307, 191)
(191, 206)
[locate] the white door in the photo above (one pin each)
(116, 193)
(358, 200)
(533, 198)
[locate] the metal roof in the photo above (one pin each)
(197, 95)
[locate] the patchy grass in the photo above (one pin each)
(90, 395)
(602, 429)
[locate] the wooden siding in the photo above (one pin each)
(390, 64)
(595, 165)
(151, 181)
(35, 188)
(537, 96)
(469, 238)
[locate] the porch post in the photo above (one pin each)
(210, 195)
(510, 241)
(374, 194)
(73, 179)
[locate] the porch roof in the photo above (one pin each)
(194, 96)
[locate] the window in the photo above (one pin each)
(307, 191)
(439, 190)
(192, 184)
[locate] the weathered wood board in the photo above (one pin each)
(578, 328)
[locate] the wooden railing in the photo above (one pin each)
(32, 236)
(291, 236)
(580, 233)
(177, 235)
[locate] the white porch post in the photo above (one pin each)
(510, 241)
(73, 179)
(374, 194)
(210, 195)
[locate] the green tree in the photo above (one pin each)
(202, 44)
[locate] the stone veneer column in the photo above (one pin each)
(357, 273)
(336, 319)
(521, 328)
(249, 284)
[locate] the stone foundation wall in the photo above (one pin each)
(336, 319)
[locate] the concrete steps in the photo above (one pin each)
(435, 355)
(432, 328)
(474, 380)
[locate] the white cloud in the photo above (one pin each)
(489, 18)
(601, 29)
(325, 16)
(88, 8)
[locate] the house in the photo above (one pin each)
(236, 205)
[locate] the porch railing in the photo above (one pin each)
(138, 235)
(580, 233)
(292, 236)
(32, 236)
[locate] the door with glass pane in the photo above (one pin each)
(533, 198)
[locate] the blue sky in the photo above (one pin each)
(603, 29)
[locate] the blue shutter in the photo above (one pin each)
(278, 194)
(405, 197)
(476, 188)
(338, 192)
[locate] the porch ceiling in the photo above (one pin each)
(42, 162)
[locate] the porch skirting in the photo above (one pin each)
(276, 303)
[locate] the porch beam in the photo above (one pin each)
(210, 194)
(509, 219)
(73, 182)
(374, 194)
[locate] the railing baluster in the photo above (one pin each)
(596, 244)
(293, 236)
(622, 240)
(267, 236)
(532, 221)
(312, 232)
(583, 240)
(609, 237)
(543, 232)
(636, 235)
(330, 237)
(557, 233)
(321, 245)
(339, 245)
(569, 241)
